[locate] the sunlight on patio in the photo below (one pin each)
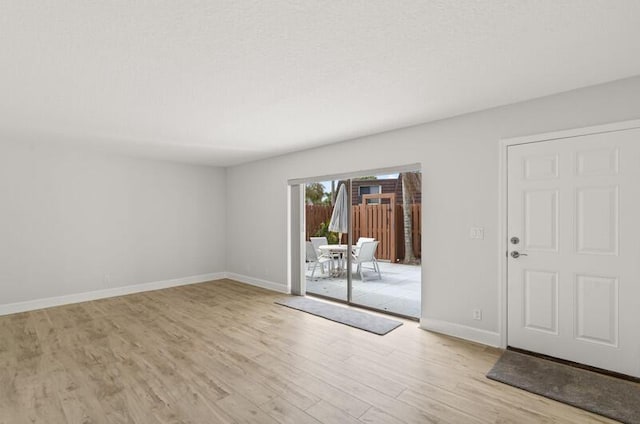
(398, 291)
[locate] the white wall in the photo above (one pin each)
(459, 158)
(74, 221)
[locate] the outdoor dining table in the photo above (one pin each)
(336, 251)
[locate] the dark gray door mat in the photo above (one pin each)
(594, 392)
(358, 319)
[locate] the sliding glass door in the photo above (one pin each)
(363, 239)
(327, 214)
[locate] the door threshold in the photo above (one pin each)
(368, 308)
(576, 364)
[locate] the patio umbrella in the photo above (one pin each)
(340, 216)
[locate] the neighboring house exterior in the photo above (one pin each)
(384, 186)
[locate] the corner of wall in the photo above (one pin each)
(257, 282)
(225, 235)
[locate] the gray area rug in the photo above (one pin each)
(598, 393)
(358, 319)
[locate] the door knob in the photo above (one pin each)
(515, 254)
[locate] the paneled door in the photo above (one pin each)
(574, 249)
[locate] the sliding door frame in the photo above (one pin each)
(297, 225)
(296, 278)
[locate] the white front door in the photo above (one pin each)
(574, 291)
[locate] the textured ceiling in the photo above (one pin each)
(225, 82)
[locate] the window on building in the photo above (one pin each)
(370, 190)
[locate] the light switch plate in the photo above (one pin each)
(476, 233)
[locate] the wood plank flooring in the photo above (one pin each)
(223, 352)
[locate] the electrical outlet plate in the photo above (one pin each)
(477, 314)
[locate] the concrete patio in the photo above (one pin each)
(398, 291)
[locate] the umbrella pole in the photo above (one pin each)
(340, 255)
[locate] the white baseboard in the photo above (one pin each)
(31, 305)
(269, 285)
(461, 331)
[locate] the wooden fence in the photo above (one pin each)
(315, 215)
(373, 220)
(416, 210)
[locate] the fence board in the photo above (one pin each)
(373, 220)
(316, 215)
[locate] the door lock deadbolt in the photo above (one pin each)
(515, 240)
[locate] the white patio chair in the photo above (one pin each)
(317, 242)
(322, 241)
(361, 240)
(367, 254)
(313, 258)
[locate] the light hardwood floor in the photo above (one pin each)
(223, 352)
